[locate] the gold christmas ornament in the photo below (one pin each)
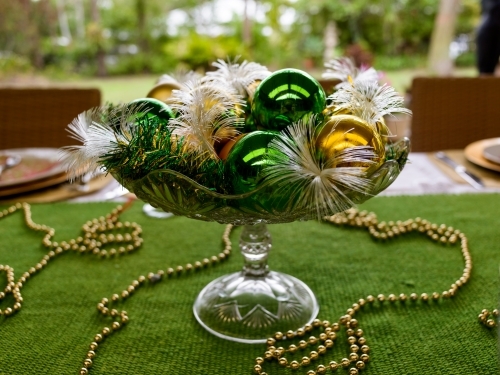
(382, 128)
(163, 91)
(335, 110)
(340, 132)
(331, 110)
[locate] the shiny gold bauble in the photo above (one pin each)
(163, 91)
(341, 110)
(335, 110)
(340, 132)
(382, 128)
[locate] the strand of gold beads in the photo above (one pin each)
(358, 349)
(489, 318)
(95, 238)
(96, 234)
(107, 307)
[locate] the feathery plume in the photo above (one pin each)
(101, 131)
(368, 100)
(206, 113)
(297, 171)
(343, 67)
(240, 76)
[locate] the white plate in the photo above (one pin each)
(36, 164)
(492, 153)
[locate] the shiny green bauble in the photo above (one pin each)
(285, 97)
(142, 112)
(246, 160)
(145, 108)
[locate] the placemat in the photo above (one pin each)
(51, 334)
(490, 178)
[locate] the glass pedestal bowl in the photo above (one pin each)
(252, 304)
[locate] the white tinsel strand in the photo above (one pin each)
(79, 159)
(240, 76)
(98, 137)
(183, 76)
(369, 101)
(205, 114)
(343, 67)
(178, 77)
(295, 169)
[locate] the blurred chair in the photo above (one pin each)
(38, 117)
(450, 113)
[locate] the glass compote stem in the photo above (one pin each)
(251, 305)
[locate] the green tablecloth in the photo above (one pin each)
(51, 334)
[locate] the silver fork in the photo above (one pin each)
(10, 162)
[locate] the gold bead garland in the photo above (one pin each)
(108, 308)
(358, 350)
(94, 238)
(489, 318)
(96, 235)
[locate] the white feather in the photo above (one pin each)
(343, 67)
(316, 185)
(97, 137)
(368, 100)
(205, 114)
(240, 76)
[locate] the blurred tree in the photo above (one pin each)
(134, 36)
(23, 24)
(62, 17)
(440, 61)
(95, 35)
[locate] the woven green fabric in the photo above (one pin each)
(51, 334)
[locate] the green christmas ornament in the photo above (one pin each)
(249, 124)
(142, 112)
(150, 107)
(285, 97)
(246, 159)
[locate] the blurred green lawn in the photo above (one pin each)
(118, 89)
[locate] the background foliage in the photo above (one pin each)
(109, 37)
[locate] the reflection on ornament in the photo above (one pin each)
(340, 132)
(382, 128)
(335, 110)
(150, 107)
(380, 125)
(163, 91)
(246, 159)
(285, 97)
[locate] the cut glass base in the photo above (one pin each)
(249, 309)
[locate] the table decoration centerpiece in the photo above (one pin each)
(246, 146)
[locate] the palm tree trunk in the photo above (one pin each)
(439, 61)
(100, 54)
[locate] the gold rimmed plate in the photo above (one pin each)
(475, 153)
